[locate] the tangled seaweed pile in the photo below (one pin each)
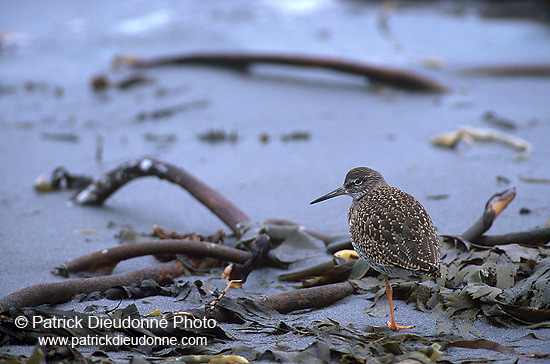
(507, 285)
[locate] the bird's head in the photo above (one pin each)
(358, 182)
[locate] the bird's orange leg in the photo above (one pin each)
(389, 293)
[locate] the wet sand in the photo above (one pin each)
(48, 63)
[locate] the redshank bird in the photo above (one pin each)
(389, 229)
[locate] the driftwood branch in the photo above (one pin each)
(100, 190)
(57, 292)
(242, 61)
(305, 298)
(105, 260)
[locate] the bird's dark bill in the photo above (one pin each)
(337, 192)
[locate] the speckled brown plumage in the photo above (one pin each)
(392, 231)
(389, 228)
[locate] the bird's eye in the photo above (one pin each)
(357, 181)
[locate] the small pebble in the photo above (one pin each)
(524, 211)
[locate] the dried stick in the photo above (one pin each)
(305, 298)
(513, 70)
(105, 260)
(97, 192)
(242, 61)
(531, 237)
(493, 208)
(316, 270)
(57, 292)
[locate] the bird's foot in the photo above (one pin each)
(394, 326)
